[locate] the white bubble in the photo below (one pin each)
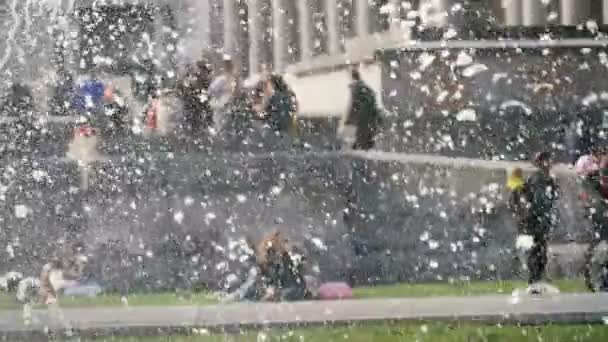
(425, 237)
(467, 114)
(319, 243)
(425, 60)
(241, 198)
(179, 217)
(21, 211)
(39, 175)
(10, 251)
(232, 278)
(262, 337)
(473, 70)
(463, 59)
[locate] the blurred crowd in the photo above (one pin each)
(204, 100)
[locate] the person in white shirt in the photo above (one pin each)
(222, 91)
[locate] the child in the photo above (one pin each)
(515, 184)
(517, 205)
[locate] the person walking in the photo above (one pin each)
(192, 90)
(540, 193)
(280, 104)
(363, 113)
(222, 92)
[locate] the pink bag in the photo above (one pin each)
(586, 165)
(335, 291)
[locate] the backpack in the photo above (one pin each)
(540, 193)
(368, 97)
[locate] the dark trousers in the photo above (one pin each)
(197, 116)
(364, 140)
(537, 259)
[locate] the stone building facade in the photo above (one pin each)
(311, 41)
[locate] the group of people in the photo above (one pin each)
(63, 269)
(277, 272)
(533, 202)
(223, 102)
(215, 103)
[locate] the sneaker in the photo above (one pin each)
(535, 289)
(539, 289)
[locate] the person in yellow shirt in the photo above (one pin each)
(515, 184)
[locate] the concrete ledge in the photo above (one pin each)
(358, 50)
(455, 162)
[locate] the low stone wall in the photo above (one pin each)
(183, 220)
(492, 99)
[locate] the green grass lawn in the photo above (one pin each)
(7, 302)
(458, 289)
(405, 333)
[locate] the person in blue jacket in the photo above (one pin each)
(89, 96)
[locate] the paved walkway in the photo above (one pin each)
(571, 308)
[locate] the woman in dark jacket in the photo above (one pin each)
(192, 90)
(363, 113)
(280, 105)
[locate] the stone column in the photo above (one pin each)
(362, 17)
(513, 12)
(534, 13)
(333, 31)
(305, 29)
(395, 15)
(605, 12)
(231, 28)
(256, 35)
(204, 8)
(280, 34)
(574, 12)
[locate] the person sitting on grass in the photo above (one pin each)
(278, 274)
(60, 272)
